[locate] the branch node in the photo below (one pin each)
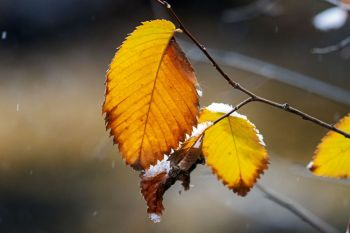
(161, 2)
(167, 5)
(286, 106)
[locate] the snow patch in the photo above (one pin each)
(219, 107)
(199, 92)
(154, 217)
(196, 131)
(331, 18)
(225, 108)
(310, 165)
(161, 166)
(260, 137)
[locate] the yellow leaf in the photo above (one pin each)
(151, 100)
(233, 148)
(332, 156)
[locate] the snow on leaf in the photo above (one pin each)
(332, 156)
(161, 166)
(198, 130)
(233, 148)
(154, 217)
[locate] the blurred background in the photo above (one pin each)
(59, 171)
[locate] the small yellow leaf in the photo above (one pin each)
(233, 148)
(151, 100)
(332, 156)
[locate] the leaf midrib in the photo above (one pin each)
(234, 142)
(152, 94)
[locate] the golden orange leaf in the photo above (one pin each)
(151, 100)
(233, 148)
(332, 156)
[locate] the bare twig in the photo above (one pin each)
(246, 101)
(270, 71)
(251, 11)
(333, 2)
(339, 3)
(332, 48)
(235, 85)
(298, 210)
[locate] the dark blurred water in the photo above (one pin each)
(58, 169)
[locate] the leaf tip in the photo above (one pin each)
(311, 166)
(156, 218)
(242, 190)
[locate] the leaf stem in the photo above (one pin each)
(244, 102)
(285, 106)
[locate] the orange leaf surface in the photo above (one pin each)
(332, 156)
(151, 100)
(233, 148)
(152, 189)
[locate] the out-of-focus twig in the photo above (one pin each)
(251, 11)
(270, 71)
(332, 48)
(298, 210)
(339, 3)
(333, 2)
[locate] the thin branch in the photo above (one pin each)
(339, 3)
(269, 71)
(244, 102)
(298, 210)
(235, 85)
(333, 2)
(332, 48)
(250, 11)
